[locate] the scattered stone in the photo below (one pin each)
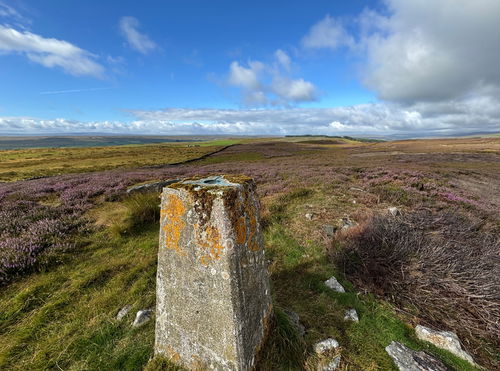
(329, 230)
(333, 284)
(151, 187)
(329, 365)
(351, 315)
(142, 317)
(354, 201)
(325, 346)
(123, 312)
(445, 340)
(295, 319)
(346, 223)
(309, 216)
(407, 359)
(394, 211)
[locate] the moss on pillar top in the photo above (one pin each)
(204, 189)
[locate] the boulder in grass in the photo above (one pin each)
(346, 223)
(325, 346)
(407, 359)
(329, 365)
(351, 315)
(295, 319)
(394, 211)
(333, 284)
(123, 312)
(142, 317)
(445, 340)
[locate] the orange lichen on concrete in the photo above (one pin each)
(174, 213)
(209, 240)
(172, 354)
(241, 230)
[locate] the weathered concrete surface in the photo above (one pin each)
(213, 300)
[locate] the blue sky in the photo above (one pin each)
(388, 67)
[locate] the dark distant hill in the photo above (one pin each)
(83, 141)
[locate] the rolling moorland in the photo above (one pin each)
(75, 247)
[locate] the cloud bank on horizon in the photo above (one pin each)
(432, 64)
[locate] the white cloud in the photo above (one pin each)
(293, 90)
(264, 84)
(430, 53)
(474, 115)
(50, 52)
(283, 59)
(9, 14)
(422, 50)
(327, 33)
(247, 78)
(136, 40)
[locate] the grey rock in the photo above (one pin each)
(330, 365)
(123, 312)
(346, 223)
(295, 319)
(151, 187)
(351, 315)
(142, 317)
(445, 340)
(407, 359)
(333, 284)
(394, 211)
(325, 346)
(329, 230)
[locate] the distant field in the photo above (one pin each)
(37, 162)
(84, 141)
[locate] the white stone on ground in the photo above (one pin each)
(394, 211)
(330, 366)
(346, 223)
(325, 345)
(445, 340)
(123, 312)
(407, 359)
(351, 315)
(142, 317)
(334, 284)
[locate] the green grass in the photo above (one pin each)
(219, 142)
(65, 318)
(298, 274)
(28, 163)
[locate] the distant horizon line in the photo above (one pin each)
(367, 136)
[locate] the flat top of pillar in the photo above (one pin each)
(217, 180)
(213, 182)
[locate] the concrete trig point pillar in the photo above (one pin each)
(213, 302)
